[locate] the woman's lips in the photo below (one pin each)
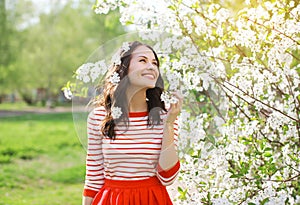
(149, 75)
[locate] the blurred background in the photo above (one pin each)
(42, 43)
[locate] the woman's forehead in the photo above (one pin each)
(143, 50)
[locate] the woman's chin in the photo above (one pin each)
(151, 86)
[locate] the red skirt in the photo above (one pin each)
(137, 192)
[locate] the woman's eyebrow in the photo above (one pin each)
(143, 56)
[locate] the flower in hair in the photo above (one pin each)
(125, 47)
(168, 98)
(116, 112)
(116, 58)
(114, 78)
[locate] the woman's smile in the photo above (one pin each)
(150, 76)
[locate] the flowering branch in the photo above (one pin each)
(259, 101)
(274, 29)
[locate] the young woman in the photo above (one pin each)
(132, 137)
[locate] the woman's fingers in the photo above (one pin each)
(176, 107)
(179, 97)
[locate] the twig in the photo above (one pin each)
(261, 101)
(274, 29)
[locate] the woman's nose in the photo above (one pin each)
(150, 66)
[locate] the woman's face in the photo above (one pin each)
(143, 70)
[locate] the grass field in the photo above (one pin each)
(41, 160)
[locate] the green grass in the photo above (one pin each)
(41, 160)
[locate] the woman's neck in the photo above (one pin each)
(137, 100)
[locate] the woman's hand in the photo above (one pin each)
(175, 108)
(87, 200)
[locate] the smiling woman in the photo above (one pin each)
(143, 69)
(132, 153)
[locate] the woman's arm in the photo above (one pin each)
(168, 164)
(94, 178)
(168, 156)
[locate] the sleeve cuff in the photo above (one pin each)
(89, 193)
(170, 172)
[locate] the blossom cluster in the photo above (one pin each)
(241, 75)
(114, 78)
(116, 58)
(86, 75)
(89, 72)
(168, 98)
(116, 112)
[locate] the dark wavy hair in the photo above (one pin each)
(115, 95)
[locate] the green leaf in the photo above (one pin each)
(182, 193)
(268, 154)
(268, 149)
(211, 139)
(265, 201)
(172, 7)
(235, 176)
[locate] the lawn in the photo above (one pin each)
(41, 160)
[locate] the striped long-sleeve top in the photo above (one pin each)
(133, 155)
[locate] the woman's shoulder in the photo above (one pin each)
(97, 113)
(99, 110)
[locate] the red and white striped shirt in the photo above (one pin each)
(133, 155)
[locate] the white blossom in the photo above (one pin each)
(89, 72)
(114, 78)
(83, 72)
(116, 112)
(220, 201)
(116, 58)
(168, 98)
(125, 47)
(68, 93)
(98, 70)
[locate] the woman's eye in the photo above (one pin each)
(142, 60)
(154, 63)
